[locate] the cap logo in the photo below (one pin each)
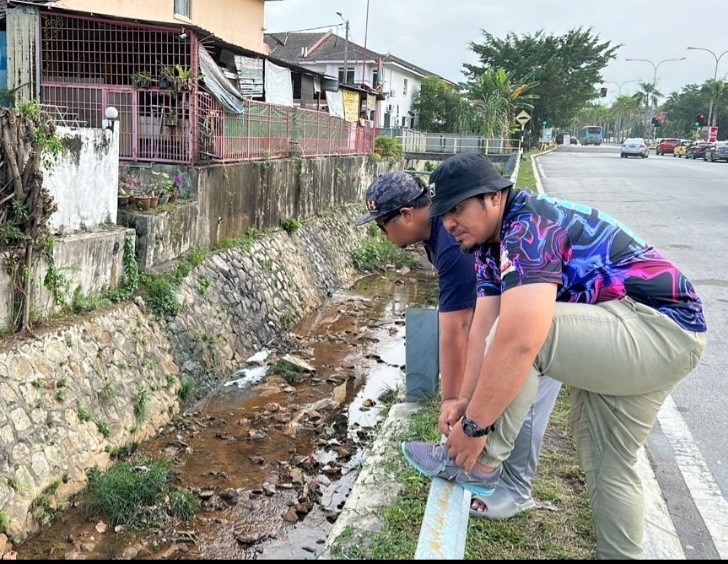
(432, 190)
(372, 205)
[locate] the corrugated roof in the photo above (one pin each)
(290, 46)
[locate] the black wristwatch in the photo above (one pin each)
(471, 429)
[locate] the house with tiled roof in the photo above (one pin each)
(396, 80)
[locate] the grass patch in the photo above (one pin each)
(563, 533)
(135, 494)
(378, 254)
(290, 372)
(526, 178)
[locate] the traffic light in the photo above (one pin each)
(603, 92)
(656, 122)
(700, 120)
(545, 122)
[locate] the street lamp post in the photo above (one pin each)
(619, 84)
(654, 77)
(346, 47)
(712, 116)
(656, 66)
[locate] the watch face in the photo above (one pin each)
(469, 427)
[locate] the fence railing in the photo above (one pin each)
(164, 125)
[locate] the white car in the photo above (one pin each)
(635, 147)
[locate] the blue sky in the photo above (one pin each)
(435, 35)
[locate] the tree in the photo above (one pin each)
(496, 99)
(441, 108)
(566, 67)
(647, 95)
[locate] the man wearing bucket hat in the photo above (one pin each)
(566, 290)
(400, 204)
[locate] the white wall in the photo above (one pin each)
(84, 181)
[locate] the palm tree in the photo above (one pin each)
(496, 98)
(648, 95)
(626, 110)
(715, 89)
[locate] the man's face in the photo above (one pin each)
(474, 221)
(402, 227)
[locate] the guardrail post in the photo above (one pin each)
(422, 353)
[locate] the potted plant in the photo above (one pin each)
(129, 187)
(164, 186)
(184, 79)
(142, 79)
(166, 80)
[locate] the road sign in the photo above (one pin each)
(523, 118)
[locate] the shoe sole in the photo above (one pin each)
(472, 488)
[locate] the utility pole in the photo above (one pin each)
(346, 47)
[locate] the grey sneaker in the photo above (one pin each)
(433, 460)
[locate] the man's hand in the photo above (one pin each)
(450, 413)
(465, 450)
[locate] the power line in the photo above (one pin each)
(299, 30)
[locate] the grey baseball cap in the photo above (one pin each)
(388, 193)
(460, 177)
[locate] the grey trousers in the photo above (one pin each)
(621, 360)
(520, 466)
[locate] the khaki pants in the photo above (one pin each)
(621, 360)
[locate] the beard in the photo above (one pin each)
(468, 249)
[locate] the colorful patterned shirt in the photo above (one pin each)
(588, 254)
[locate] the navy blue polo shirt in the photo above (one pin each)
(455, 269)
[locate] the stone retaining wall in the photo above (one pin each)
(70, 394)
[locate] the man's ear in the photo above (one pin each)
(407, 213)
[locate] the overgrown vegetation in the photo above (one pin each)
(389, 148)
(290, 372)
(377, 254)
(290, 224)
(28, 145)
(135, 494)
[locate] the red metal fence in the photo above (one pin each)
(172, 126)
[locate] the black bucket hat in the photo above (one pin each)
(390, 192)
(460, 177)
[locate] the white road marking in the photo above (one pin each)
(706, 494)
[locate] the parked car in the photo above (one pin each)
(679, 151)
(635, 147)
(667, 146)
(696, 149)
(717, 151)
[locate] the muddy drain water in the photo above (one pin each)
(271, 460)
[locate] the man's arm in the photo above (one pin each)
(454, 329)
(486, 312)
(525, 319)
(460, 389)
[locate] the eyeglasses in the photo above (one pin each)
(382, 221)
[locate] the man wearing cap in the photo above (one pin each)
(400, 205)
(564, 289)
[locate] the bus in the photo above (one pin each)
(592, 135)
